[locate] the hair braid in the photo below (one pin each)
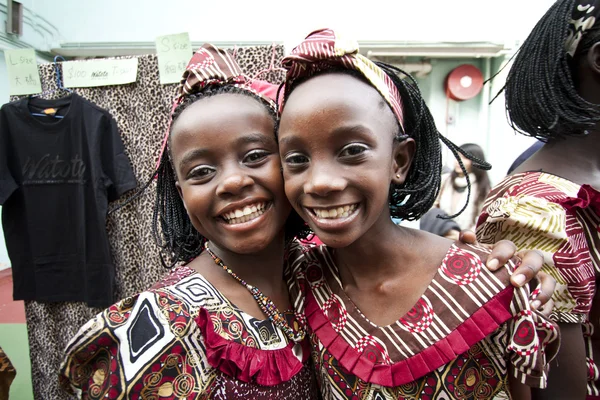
(541, 97)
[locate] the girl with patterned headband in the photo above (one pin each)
(218, 327)
(552, 201)
(392, 313)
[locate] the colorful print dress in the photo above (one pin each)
(183, 339)
(542, 211)
(457, 342)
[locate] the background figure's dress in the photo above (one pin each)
(542, 211)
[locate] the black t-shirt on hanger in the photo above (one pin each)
(56, 179)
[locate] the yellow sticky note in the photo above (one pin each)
(174, 53)
(23, 75)
(92, 73)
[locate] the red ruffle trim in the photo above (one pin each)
(265, 367)
(482, 323)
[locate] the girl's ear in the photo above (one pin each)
(593, 57)
(180, 193)
(403, 155)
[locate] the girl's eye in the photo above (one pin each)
(353, 149)
(295, 159)
(200, 172)
(255, 156)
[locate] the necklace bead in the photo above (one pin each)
(263, 301)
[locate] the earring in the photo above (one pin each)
(398, 176)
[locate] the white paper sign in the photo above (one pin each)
(23, 75)
(174, 53)
(99, 72)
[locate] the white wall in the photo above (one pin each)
(277, 20)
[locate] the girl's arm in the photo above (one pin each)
(518, 391)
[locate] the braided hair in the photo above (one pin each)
(481, 175)
(413, 198)
(541, 97)
(171, 226)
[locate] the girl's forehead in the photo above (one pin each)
(322, 92)
(336, 96)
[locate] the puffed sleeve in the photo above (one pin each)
(533, 218)
(90, 365)
(533, 341)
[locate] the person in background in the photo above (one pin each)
(453, 194)
(436, 221)
(552, 201)
(531, 150)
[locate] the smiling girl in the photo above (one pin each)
(220, 326)
(392, 313)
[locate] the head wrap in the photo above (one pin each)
(324, 50)
(211, 66)
(585, 15)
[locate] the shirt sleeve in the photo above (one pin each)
(91, 362)
(115, 163)
(534, 222)
(533, 341)
(7, 182)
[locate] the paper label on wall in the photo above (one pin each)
(99, 72)
(23, 75)
(174, 53)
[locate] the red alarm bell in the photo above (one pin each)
(464, 82)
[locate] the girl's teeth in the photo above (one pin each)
(247, 214)
(339, 212)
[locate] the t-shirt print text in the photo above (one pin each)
(52, 169)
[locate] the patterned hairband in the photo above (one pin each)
(323, 50)
(211, 66)
(585, 15)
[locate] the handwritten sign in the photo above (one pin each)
(174, 53)
(23, 75)
(99, 72)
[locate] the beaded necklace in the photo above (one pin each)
(264, 302)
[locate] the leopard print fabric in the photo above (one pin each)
(141, 110)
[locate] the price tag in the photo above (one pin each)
(99, 72)
(174, 53)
